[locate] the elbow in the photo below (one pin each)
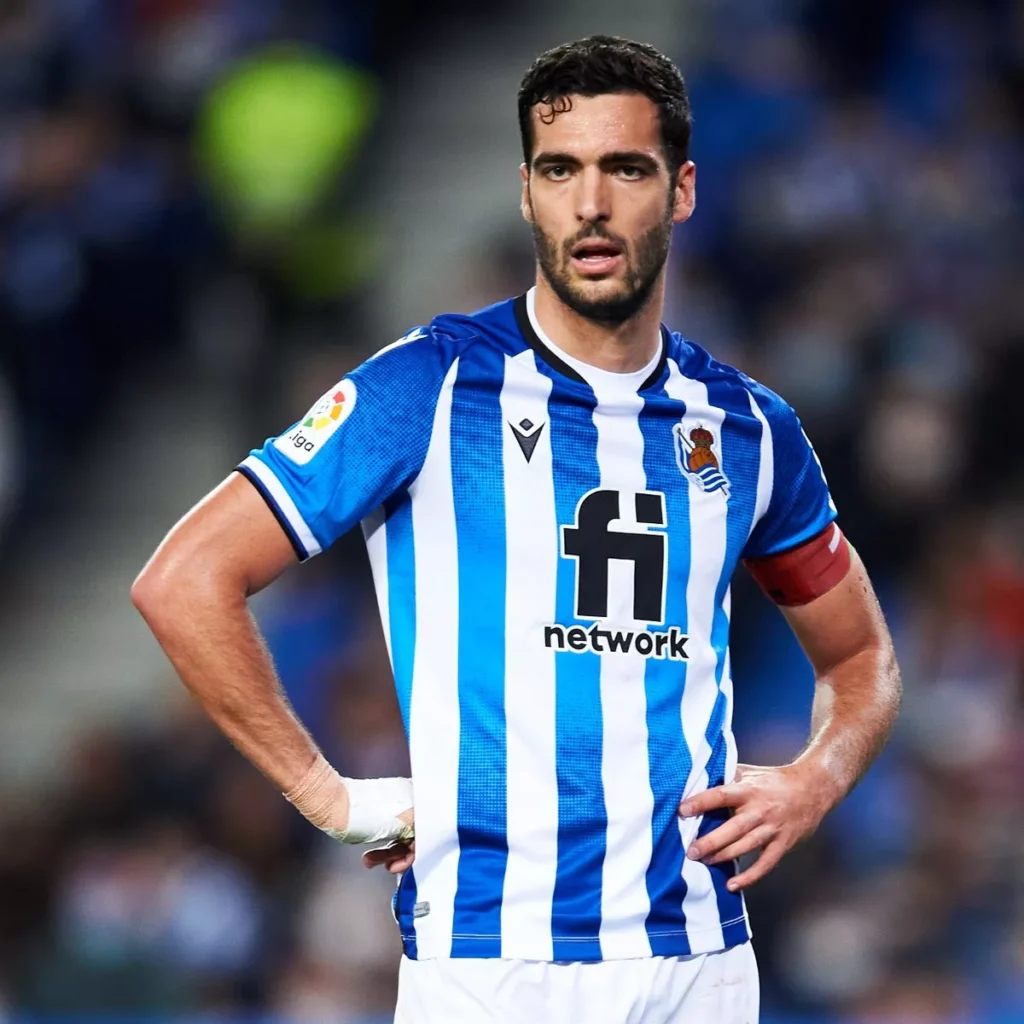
(170, 589)
(153, 591)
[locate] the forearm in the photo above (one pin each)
(216, 648)
(854, 709)
(193, 594)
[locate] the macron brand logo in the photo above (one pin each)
(527, 434)
(307, 437)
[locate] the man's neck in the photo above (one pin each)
(620, 348)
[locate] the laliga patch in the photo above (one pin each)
(307, 437)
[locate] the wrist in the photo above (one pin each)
(824, 782)
(353, 810)
(322, 797)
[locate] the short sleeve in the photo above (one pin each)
(365, 439)
(800, 506)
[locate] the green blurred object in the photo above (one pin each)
(326, 257)
(276, 132)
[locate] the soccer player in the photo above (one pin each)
(555, 492)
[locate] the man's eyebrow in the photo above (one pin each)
(547, 159)
(630, 156)
(627, 156)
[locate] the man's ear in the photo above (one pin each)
(525, 206)
(685, 198)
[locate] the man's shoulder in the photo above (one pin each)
(450, 335)
(494, 326)
(697, 363)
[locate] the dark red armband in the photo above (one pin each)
(799, 576)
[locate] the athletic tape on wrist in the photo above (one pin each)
(374, 805)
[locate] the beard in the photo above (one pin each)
(643, 262)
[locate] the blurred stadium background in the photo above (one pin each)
(211, 209)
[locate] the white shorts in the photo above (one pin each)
(710, 988)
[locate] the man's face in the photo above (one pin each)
(602, 203)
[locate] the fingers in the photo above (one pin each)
(770, 856)
(396, 867)
(726, 834)
(756, 838)
(396, 858)
(713, 799)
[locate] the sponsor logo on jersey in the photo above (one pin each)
(306, 438)
(627, 527)
(697, 459)
(669, 643)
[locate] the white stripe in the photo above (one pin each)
(833, 544)
(434, 705)
(285, 505)
(531, 540)
(731, 754)
(707, 558)
(375, 535)
(625, 763)
(766, 465)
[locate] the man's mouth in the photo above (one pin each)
(596, 256)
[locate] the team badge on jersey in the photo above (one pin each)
(696, 458)
(306, 438)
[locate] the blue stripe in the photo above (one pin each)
(404, 902)
(669, 755)
(479, 496)
(741, 454)
(579, 725)
(401, 554)
(402, 627)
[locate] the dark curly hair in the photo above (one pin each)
(607, 64)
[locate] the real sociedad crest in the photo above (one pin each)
(696, 459)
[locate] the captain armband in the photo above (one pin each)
(806, 572)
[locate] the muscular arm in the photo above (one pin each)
(193, 594)
(856, 698)
(857, 684)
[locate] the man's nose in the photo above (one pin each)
(593, 198)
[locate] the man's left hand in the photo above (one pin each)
(773, 810)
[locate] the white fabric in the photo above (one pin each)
(434, 703)
(531, 531)
(623, 383)
(625, 761)
(709, 988)
(707, 556)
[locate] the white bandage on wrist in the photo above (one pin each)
(373, 809)
(374, 805)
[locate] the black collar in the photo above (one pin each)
(532, 338)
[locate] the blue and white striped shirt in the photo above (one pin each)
(552, 547)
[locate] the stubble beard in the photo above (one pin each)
(644, 262)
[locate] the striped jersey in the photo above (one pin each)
(552, 547)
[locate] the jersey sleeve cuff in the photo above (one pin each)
(809, 532)
(262, 477)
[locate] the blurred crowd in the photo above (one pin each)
(857, 246)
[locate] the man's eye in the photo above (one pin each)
(558, 172)
(630, 173)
